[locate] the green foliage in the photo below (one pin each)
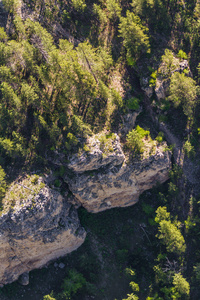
(188, 149)
(135, 139)
(162, 214)
(116, 98)
(176, 173)
(148, 209)
(173, 189)
(152, 81)
(182, 55)
(73, 283)
(101, 14)
(11, 5)
(114, 9)
(197, 271)
(106, 142)
(133, 103)
(34, 179)
(57, 183)
(183, 92)
(2, 183)
(171, 237)
(134, 286)
(134, 35)
(181, 286)
(131, 297)
(169, 233)
(27, 188)
(72, 141)
(3, 35)
(160, 137)
(169, 64)
(189, 224)
(79, 5)
(49, 297)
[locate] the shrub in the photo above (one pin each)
(135, 139)
(133, 103)
(188, 149)
(113, 8)
(79, 5)
(34, 179)
(72, 284)
(182, 55)
(72, 141)
(159, 137)
(106, 142)
(152, 81)
(169, 233)
(181, 286)
(49, 297)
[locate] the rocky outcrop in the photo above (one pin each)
(115, 184)
(38, 225)
(162, 83)
(102, 151)
(162, 79)
(148, 90)
(35, 229)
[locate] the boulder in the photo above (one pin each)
(118, 185)
(101, 151)
(37, 227)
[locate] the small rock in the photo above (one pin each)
(24, 279)
(61, 265)
(55, 265)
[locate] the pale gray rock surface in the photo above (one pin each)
(148, 90)
(95, 157)
(117, 184)
(43, 228)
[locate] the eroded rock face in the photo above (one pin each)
(118, 184)
(43, 228)
(96, 157)
(148, 90)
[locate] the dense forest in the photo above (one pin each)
(71, 69)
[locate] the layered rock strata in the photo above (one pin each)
(100, 182)
(38, 225)
(37, 230)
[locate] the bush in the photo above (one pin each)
(72, 141)
(160, 137)
(182, 55)
(135, 139)
(49, 297)
(152, 81)
(79, 5)
(181, 286)
(169, 233)
(72, 284)
(188, 149)
(133, 103)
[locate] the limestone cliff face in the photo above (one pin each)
(114, 183)
(35, 230)
(38, 225)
